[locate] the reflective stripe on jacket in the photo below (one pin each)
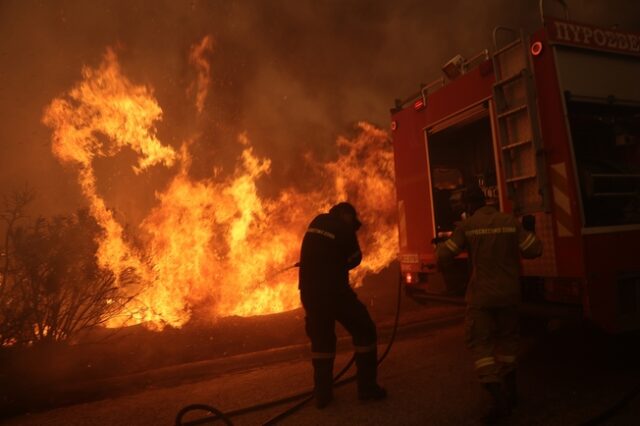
(495, 242)
(329, 250)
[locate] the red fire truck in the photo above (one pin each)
(548, 125)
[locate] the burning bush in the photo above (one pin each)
(52, 287)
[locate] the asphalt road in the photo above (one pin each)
(566, 377)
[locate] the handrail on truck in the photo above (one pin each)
(499, 28)
(483, 55)
(439, 81)
(562, 2)
(400, 103)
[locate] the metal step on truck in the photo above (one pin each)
(548, 125)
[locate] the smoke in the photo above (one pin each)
(293, 75)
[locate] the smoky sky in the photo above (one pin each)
(292, 74)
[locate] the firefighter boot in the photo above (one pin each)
(368, 388)
(323, 381)
(499, 409)
(511, 386)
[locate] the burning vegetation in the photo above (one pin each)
(212, 246)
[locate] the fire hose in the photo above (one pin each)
(613, 410)
(300, 399)
(304, 397)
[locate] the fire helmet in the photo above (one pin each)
(348, 208)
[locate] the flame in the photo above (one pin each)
(197, 58)
(101, 115)
(212, 246)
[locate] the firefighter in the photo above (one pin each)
(329, 250)
(494, 241)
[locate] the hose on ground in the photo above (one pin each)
(300, 399)
(614, 409)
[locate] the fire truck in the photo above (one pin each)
(548, 125)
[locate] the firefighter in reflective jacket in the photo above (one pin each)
(329, 250)
(494, 241)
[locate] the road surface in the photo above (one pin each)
(566, 377)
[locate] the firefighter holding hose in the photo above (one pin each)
(329, 250)
(494, 241)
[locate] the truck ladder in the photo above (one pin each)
(518, 127)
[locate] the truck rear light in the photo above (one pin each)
(408, 278)
(419, 104)
(415, 278)
(394, 125)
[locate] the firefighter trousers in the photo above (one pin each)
(347, 310)
(492, 335)
(321, 316)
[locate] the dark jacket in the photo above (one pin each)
(329, 250)
(495, 241)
